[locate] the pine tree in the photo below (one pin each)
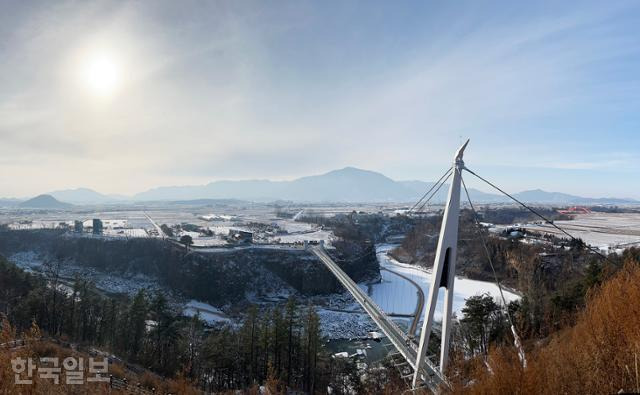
(279, 330)
(137, 315)
(291, 321)
(312, 340)
(249, 340)
(265, 340)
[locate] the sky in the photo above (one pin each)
(123, 96)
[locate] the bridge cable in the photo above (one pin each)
(516, 338)
(430, 189)
(435, 192)
(437, 187)
(592, 249)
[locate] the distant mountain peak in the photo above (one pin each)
(82, 195)
(45, 202)
(353, 172)
(351, 169)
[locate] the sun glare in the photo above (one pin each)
(102, 75)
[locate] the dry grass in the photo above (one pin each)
(599, 355)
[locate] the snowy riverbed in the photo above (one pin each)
(344, 319)
(396, 295)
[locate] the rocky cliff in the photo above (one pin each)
(217, 278)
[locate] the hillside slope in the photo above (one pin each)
(126, 378)
(599, 354)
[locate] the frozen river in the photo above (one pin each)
(396, 295)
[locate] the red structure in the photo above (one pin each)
(575, 210)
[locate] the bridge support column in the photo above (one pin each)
(443, 275)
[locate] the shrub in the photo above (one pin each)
(599, 354)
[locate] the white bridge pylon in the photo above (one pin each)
(444, 270)
(425, 372)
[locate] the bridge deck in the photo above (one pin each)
(405, 346)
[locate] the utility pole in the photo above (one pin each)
(444, 270)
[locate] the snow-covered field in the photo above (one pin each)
(217, 217)
(139, 232)
(209, 242)
(301, 237)
(38, 225)
(293, 226)
(109, 223)
(602, 230)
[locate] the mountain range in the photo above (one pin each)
(345, 185)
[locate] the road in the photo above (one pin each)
(405, 346)
(161, 233)
(231, 248)
(419, 303)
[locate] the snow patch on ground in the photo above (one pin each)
(344, 325)
(108, 282)
(127, 232)
(270, 289)
(209, 314)
(217, 217)
(206, 241)
(28, 261)
(301, 237)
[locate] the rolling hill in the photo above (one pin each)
(45, 202)
(83, 196)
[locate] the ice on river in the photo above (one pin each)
(398, 296)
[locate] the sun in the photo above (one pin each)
(102, 74)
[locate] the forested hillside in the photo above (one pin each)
(278, 345)
(596, 352)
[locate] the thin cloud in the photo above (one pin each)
(308, 87)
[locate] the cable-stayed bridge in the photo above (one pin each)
(425, 372)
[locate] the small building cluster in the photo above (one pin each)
(240, 236)
(97, 227)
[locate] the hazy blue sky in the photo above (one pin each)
(191, 92)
